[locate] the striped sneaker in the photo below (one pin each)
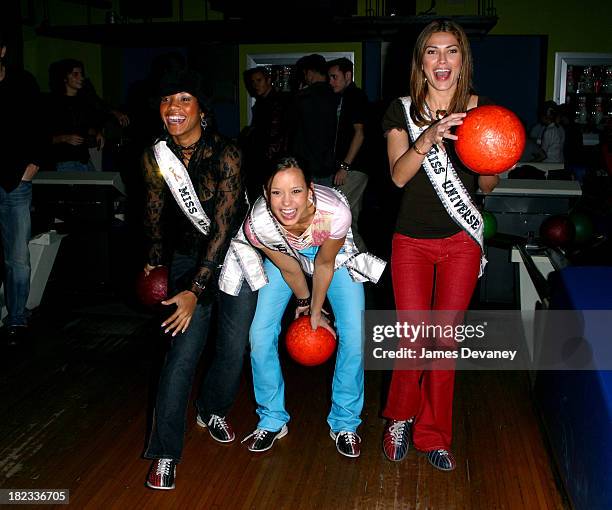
(218, 428)
(396, 439)
(347, 443)
(442, 459)
(162, 474)
(262, 440)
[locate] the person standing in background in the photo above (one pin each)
(21, 148)
(350, 148)
(74, 123)
(266, 138)
(312, 124)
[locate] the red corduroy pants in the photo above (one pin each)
(430, 274)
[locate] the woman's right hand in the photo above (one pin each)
(436, 133)
(72, 139)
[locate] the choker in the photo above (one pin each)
(187, 148)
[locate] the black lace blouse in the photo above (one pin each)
(214, 166)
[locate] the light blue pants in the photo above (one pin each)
(347, 301)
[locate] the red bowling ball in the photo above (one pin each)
(307, 346)
(557, 231)
(490, 140)
(153, 289)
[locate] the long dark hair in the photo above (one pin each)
(418, 83)
(58, 71)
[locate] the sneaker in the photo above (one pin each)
(396, 439)
(264, 439)
(347, 443)
(442, 460)
(162, 474)
(218, 428)
(16, 336)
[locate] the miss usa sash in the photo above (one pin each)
(243, 261)
(449, 188)
(176, 177)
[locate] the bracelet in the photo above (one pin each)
(344, 166)
(303, 302)
(199, 285)
(414, 146)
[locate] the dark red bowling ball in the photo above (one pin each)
(490, 140)
(153, 289)
(307, 346)
(557, 231)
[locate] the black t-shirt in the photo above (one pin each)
(68, 115)
(313, 128)
(354, 110)
(421, 212)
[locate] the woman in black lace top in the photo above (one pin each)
(196, 196)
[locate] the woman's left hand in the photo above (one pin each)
(318, 319)
(178, 322)
(301, 310)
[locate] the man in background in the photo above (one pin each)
(21, 147)
(350, 154)
(313, 120)
(266, 138)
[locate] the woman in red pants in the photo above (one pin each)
(437, 251)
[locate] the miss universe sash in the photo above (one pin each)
(243, 261)
(176, 177)
(449, 188)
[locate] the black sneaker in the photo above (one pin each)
(442, 459)
(162, 474)
(263, 440)
(347, 443)
(218, 428)
(16, 336)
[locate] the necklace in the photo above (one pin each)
(440, 114)
(190, 147)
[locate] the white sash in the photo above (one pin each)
(243, 261)
(449, 188)
(176, 177)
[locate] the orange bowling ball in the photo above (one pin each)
(307, 346)
(153, 289)
(490, 140)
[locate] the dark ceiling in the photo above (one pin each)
(260, 31)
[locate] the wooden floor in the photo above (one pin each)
(74, 408)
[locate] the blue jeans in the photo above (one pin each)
(16, 230)
(75, 166)
(347, 301)
(220, 385)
